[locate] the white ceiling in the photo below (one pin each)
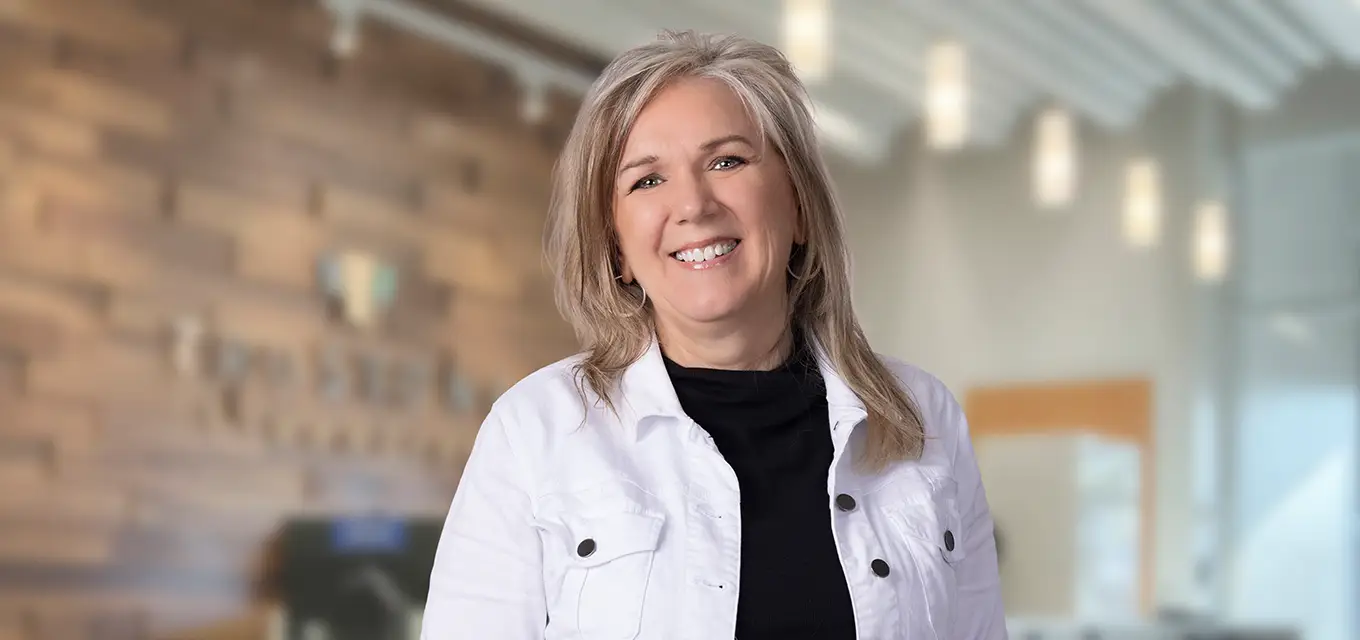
(1105, 59)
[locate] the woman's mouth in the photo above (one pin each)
(707, 256)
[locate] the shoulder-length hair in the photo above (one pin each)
(582, 246)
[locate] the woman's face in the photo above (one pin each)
(706, 218)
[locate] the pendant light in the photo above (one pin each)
(1143, 203)
(947, 96)
(1210, 243)
(807, 37)
(1055, 158)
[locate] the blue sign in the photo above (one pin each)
(368, 535)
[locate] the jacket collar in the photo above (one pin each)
(646, 392)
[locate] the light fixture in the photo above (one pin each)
(345, 37)
(1210, 242)
(947, 96)
(807, 37)
(1143, 203)
(1055, 158)
(533, 106)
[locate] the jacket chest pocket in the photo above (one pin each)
(926, 517)
(607, 559)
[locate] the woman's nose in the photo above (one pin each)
(694, 199)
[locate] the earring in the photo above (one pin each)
(641, 306)
(792, 274)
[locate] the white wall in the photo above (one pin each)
(957, 271)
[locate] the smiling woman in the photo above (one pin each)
(727, 457)
(706, 221)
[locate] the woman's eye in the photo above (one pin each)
(728, 162)
(646, 183)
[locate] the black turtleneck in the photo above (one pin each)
(772, 428)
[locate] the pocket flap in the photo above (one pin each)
(599, 539)
(927, 510)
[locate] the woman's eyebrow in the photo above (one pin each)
(720, 141)
(643, 161)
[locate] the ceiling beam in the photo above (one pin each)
(983, 41)
(593, 24)
(426, 23)
(1161, 34)
(1337, 21)
(1218, 20)
(1265, 18)
(1096, 39)
(1054, 49)
(893, 35)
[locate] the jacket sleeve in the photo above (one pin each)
(487, 579)
(979, 613)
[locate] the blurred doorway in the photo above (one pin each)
(1068, 470)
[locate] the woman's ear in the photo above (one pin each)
(625, 273)
(799, 229)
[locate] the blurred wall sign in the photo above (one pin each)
(277, 367)
(231, 360)
(373, 378)
(458, 393)
(333, 373)
(412, 381)
(359, 287)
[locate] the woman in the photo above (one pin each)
(727, 458)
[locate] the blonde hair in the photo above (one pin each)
(610, 318)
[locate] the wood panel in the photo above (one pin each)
(171, 166)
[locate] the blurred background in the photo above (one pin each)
(265, 263)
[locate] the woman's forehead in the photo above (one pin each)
(693, 111)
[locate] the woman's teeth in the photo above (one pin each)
(706, 253)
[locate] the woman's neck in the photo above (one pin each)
(753, 347)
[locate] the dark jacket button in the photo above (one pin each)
(948, 540)
(845, 502)
(586, 548)
(879, 567)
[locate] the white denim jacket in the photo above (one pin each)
(576, 522)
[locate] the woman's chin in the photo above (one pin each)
(715, 309)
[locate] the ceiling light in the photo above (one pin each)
(1211, 241)
(1143, 203)
(1055, 161)
(947, 96)
(807, 37)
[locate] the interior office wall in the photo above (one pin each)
(958, 270)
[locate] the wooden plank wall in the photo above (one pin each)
(164, 161)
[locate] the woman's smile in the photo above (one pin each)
(706, 255)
